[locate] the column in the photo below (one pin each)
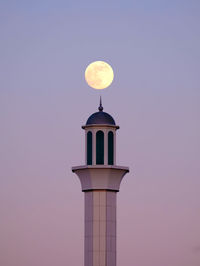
(105, 147)
(94, 146)
(100, 228)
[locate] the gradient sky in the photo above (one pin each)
(154, 49)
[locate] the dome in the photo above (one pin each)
(100, 118)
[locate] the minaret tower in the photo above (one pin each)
(100, 179)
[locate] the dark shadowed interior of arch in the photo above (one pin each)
(89, 148)
(110, 148)
(99, 147)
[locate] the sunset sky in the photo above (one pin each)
(153, 47)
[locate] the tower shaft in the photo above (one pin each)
(100, 179)
(100, 228)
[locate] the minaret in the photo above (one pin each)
(100, 179)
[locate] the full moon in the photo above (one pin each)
(99, 75)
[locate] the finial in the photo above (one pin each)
(100, 106)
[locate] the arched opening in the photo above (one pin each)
(110, 148)
(89, 148)
(99, 147)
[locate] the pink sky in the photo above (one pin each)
(153, 47)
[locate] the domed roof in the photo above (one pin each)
(100, 117)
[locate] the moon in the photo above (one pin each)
(99, 75)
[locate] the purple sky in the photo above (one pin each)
(153, 47)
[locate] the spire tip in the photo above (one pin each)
(100, 105)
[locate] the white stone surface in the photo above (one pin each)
(103, 177)
(88, 243)
(100, 228)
